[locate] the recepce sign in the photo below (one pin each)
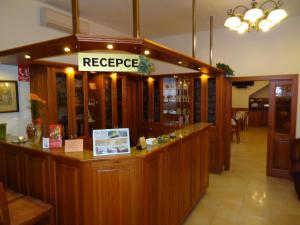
(108, 62)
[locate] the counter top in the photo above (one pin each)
(87, 155)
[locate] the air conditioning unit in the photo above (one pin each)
(61, 21)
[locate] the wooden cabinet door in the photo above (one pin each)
(114, 191)
(170, 203)
(282, 122)
(12, 173)
(79, 105)
(133, 110)
(63, 102)
(196, 160)
(71, 102)
(153, 189)
(205, 159)
(67, 189)
(37, 179)
(185, 179)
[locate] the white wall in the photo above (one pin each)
(240, 96)
(20, 25)
(251, 54)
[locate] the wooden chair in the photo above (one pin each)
(24, 210)
(12, 195)
(235, 129)
(245, 120)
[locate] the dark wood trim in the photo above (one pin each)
(80, 42)
(265, 78)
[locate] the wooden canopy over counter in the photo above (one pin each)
(156, 186)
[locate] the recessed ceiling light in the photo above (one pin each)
(110, 46)
(27, 57)
(113, 75)
(147, 52)
(69, 70)
(67, 49)
(179, 62)
(199, 68)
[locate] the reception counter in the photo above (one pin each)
(157, 186)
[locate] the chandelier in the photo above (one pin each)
(262, 17)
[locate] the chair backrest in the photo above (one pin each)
(238, 124)
(4, 213)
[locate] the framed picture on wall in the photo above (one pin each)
(9, 101)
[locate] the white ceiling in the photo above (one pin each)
(160, 17)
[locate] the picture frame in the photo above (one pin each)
(111, 141)
(9, 96)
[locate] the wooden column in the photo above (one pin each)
(136, 18)
(194, 28)
(75, 17)
(211, 39)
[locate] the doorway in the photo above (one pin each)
(281, 121)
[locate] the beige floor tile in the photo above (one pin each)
(245, 195)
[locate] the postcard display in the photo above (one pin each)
(111, 141)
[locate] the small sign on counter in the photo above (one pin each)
(74, 145)
(111, 141)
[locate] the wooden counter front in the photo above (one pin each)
(157, 186)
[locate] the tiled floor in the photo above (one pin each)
(245, 195)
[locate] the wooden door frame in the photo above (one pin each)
(291, 77)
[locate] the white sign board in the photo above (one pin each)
(108, 62)
(111, 141)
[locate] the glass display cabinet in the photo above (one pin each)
(176, 101)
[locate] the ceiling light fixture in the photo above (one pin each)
(67, 49)
(110, 46)
(27, 57)
(147, 52)
(263, 17)
(179, 62)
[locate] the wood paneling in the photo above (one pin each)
(197, 166)
(158, 187)
(133, 107)
(170, 202)
(12, 169)
(115, 188)
(185, 176)
(258, 118)
(37, 176)
(67, 194)
(153, 189)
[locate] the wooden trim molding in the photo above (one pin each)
(265, 77)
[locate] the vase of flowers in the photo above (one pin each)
(34, 130)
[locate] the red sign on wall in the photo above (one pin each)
(23, 73)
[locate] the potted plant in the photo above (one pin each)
(227, 70)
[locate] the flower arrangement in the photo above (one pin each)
(228, 71)
(35, 106)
